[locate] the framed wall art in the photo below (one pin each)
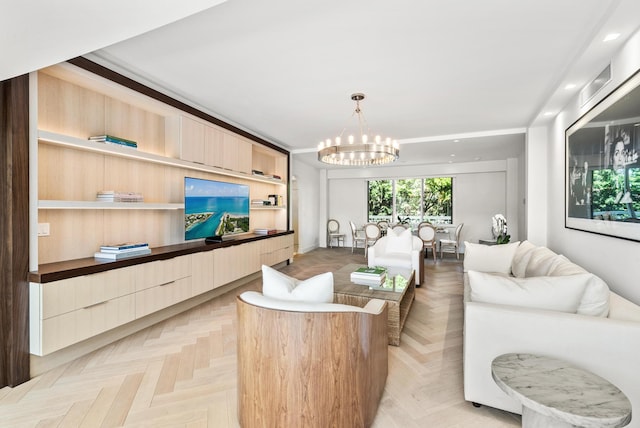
(602, 193)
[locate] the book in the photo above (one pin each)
(371, 282)
(370, 271)
(125, 250)
(124, 246)
(265, 231)
(121, 255)
(113, 138)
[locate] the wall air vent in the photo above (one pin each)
(595, 85)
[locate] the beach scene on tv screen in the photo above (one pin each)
(215, 208)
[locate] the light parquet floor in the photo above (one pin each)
(182, 372)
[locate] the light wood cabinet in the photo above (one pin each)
(68, 311)
(202, 273)
(173, 142)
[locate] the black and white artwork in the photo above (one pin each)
(602, 166)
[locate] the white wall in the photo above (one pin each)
(308, 205)
(615, 260)
(536, 183)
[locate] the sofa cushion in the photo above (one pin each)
(595, 301)
(317, 289)
(521, 258)
(539, 262)
(399, 242)
(559, 293)
(489, 258)
(563, 266)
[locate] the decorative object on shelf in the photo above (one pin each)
(265, 231)
(121, 251)
(116, 196)
(110, 139)
(362, 152)
(499, 229)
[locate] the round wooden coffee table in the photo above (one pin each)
(555, 393)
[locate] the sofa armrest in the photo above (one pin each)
(604, 346)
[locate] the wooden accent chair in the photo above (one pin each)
(451, 245)
(310, 364)
(372, 233)
(333, 232)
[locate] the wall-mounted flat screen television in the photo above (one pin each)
(214, 208)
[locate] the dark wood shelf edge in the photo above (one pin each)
(72, 268)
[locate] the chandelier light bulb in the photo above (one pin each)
(337, 141)
(364, 139)
(378, 139)
(350, 139)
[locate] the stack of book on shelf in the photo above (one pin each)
(118, 141)
(115, 196)
(121, 251)
(258, 202)
(265, 231)
(371, 276)
(272, 176)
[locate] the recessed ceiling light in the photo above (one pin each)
(456, 141)
(570, 86)
(611, 36)
(453, 155)
(450, 161)
(548, 113)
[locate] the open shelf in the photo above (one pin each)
(125, 152)
(96, 205)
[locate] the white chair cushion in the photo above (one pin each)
(557, 293)
(489, 258)
(540, 262)
(395, 260)
(400, 241)
(374, 306)
(317, 289)
(521, 259)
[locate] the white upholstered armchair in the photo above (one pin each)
(400, 248)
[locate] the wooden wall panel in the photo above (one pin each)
(69, 109)
(14, 230)
(145, 128)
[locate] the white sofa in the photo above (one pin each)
(534, 311)
(398, 249)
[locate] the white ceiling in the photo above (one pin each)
(432, 71)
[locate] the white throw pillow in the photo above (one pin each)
(595, 301)
(489, 258)
(317, 289)
(539, 262)
(557, 293)
(521, 258)
(563, 266)
(399, 242)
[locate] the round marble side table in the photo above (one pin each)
(555, 393)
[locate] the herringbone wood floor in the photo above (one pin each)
(182, 372)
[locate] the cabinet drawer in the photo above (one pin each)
(162, 271)
(162, 296)
(72, 327)
(67, 295)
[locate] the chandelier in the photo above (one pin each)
(358, 151)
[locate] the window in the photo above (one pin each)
(411, 200)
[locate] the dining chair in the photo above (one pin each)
(333, 232)
(357, 238)
(372, 233)
(399, 227)
(383, 225)
(451, 245)
(427, 233)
